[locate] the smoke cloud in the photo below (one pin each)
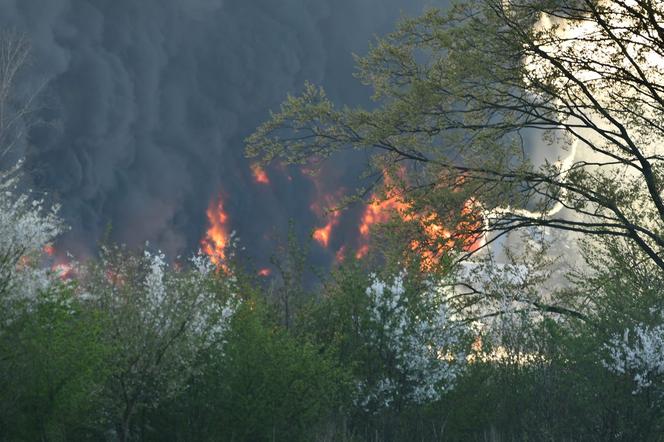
(145, 105)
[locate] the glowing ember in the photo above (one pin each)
(260, 176)
(264, 272)
(217, 237)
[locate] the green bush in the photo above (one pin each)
(267, 385)
(52, 370)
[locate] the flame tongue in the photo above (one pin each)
(217, 237)
(322, 235)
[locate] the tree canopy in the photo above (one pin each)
(534, 112)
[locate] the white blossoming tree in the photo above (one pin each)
(159, 321)
(26, 227)
(416, 343)
(639, 354)
(26, 224)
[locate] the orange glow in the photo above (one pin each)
(114, 278)
(64, 270)
(362, 251)
(475, 241)
(260, 176)
(23, 262)
(264, 272)
(323, 207)
(379, 212)
(437, 239)
(217, 237)
(322, 235)
(340, 256)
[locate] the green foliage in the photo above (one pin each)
(267, 385)
(51, 371)
(568, 395)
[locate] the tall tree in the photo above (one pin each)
(524, 112)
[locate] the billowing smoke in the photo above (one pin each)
(145, 105)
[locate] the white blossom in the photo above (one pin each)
(419, 342)
(161, 319)
(638, 353)
(26, 227)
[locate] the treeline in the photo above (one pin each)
(130, 347)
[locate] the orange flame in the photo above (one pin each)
(324, 208)
(62, 267)
(436, 235)
(217, 237)
(379, 212)
(322, 235)
(260, 176)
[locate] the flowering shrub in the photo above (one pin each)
(26, 227)
(416, 341)
(638, 353)
(160, 321)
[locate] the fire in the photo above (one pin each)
(324, 207)
(437, 239)
(362, 251)
(474, 223)
(379, 212)
(264, 272)
(260, 176)
(64, 270)
(63, 267)
(340, 256)
(114, 278)
(322, 235)
(217, 237)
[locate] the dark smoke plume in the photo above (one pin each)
(145, 104)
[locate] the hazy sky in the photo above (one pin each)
(146, 104)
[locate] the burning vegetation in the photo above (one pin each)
(217, 237)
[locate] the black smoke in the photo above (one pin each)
(145, 104)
